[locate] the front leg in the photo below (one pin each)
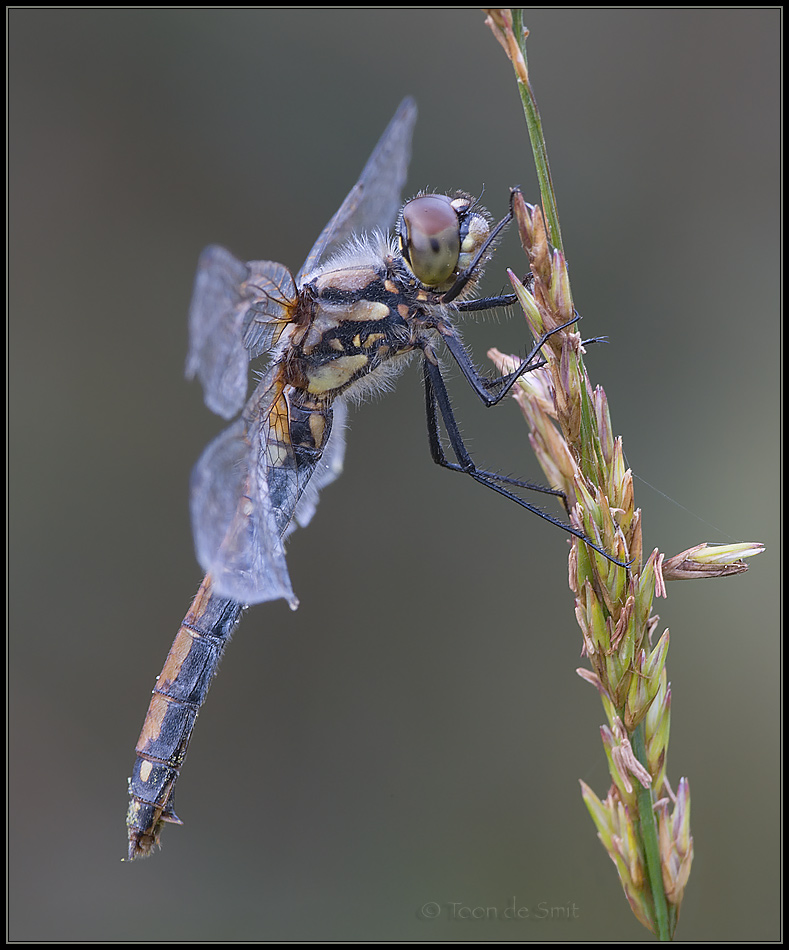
(437, 404)
(492, 391)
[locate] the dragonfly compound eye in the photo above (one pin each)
(430, 238)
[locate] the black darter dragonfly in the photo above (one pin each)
(357, 310)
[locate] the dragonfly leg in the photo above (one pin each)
(438, 407)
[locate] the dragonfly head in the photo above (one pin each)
(440, 235)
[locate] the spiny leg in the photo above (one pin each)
(492, 391)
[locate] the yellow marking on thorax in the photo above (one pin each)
(370, 340)
(364, 310)
(334, 375)
(346, 278)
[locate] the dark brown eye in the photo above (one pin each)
(430, 238)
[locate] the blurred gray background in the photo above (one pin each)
(416, 731)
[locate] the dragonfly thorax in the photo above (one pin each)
(358, 318)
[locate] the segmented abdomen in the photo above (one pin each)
(179, 692)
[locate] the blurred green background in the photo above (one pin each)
(416, 731)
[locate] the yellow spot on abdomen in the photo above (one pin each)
(152, 727)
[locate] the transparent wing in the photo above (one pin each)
(233, 520)
(238, 311)
(249, 490)
(271, 292)
(375, 199)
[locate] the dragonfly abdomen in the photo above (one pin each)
(180, 690)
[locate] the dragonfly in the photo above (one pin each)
(359, 308)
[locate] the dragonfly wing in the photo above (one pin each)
(375, 199)
(253, 485)
(237, 532)
(270, 291)
(237, 311)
